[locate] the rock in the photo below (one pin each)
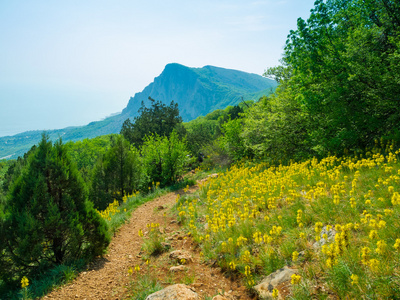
(181, 255)
(220, 297)
(331, 237)
(215, 175)
(265, 287)
(224, 296)
(174, 292)
(178, 268)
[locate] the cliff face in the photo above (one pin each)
(199, 91)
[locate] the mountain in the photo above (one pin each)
(197, 91)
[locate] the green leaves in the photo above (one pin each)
(158, 119)
(117, 173)
(343, 63)
(164, 159)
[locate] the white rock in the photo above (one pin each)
(265, 287)
(174, 292)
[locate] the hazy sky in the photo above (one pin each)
(65, 63)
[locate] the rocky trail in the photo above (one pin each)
(108, 277)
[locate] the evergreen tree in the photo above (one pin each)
(116, 174)
(48, 219)
(158, 119)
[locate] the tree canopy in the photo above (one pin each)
(159, 118)
(342, 65)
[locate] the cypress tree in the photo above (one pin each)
(48, 219)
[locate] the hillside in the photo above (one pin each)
(197, 91)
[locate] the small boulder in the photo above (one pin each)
(174, 292)
(330, 237)
(181, 256)
(265, 287)
(178, 268)
(219, 297)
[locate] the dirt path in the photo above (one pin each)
(108, 278)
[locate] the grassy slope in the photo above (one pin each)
(255, 219)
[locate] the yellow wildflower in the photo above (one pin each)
(354, 279)
(295, 255)
(24, 282)
(295, 279)
(275, 293)
(247, 271)
(373, 265)
(397, 244)
(381, 246)
(373, 234)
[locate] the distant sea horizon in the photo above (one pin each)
(11, 130)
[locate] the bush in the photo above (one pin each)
(164, 159)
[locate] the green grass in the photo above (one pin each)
(143, 286)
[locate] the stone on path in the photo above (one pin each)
(174, 292)
(181, 256)
(223, 297)
(178, 268)
(265, 287)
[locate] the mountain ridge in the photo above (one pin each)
(197, 91)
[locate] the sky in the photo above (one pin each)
(67, 63)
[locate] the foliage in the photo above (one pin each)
(116, 174)
(202, 131)
(275, 128)
(48, 219)
(164, 159)
(14, 169)
(158, 119)
(255, 218)
(153, 244)
(145, 285)
(342, 66)
(201, 134)
(85, 153)
(232, 140)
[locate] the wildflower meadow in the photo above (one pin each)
(336, 220)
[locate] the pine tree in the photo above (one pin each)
(116, 173)
(48, 217)
(159, 118)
